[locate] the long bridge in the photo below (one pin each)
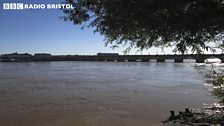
(118, 58)
(140, 58)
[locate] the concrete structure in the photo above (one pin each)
(114, 58)
(142, 58)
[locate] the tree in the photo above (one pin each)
(185, 24)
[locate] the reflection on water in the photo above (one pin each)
(96, 93)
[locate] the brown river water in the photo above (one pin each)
(97, 93)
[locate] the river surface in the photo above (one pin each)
(97, 93)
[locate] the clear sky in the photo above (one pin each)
(41, 31)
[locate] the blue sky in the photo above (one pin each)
(41, 31)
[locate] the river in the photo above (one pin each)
(97, 93)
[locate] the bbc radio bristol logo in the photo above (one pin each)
(23, 6)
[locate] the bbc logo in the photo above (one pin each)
(12, 6)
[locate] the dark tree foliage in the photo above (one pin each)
(185, 24)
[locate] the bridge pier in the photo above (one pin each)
(145, 60)
(222, 58)
(200, 60)
(176, 60)
(131, 60)
(160, 60)
(109, 60)
(120, 60)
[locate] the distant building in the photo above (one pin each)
(107, 54)
(16, 56)
(42, 55)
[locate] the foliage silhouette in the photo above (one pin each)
(185, 24)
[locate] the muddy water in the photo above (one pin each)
(96, 93)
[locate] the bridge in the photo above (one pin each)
(113, 58)
(138, 58)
